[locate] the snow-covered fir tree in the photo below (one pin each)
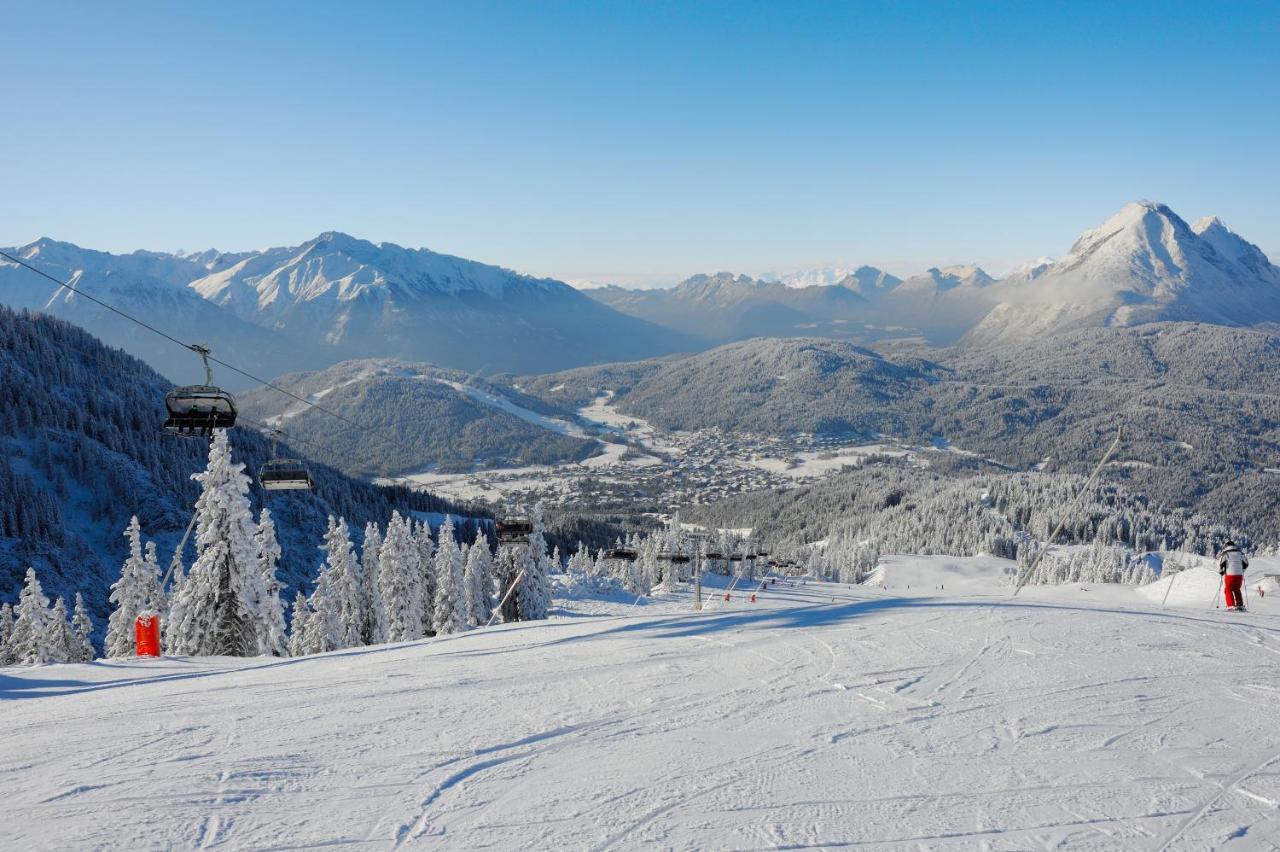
(60, 633)
(273, 639)
(6, 632)
(374, 630)
(400, 582)
(324, 630)
(535, 587)
(450, 610)
(129, 597)
(478, 579)
(31, 643)
(218, 610)
(298, 625)
(153, 581)
(427, 565)
(343, 580)
(82, 631)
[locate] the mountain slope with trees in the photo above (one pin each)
(83, 451)
(418, 417)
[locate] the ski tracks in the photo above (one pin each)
(1223, 790)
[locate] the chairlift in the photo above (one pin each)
(513, 531)
(715, 554)
(284, 474)
(735, 557)
(196, 410)
(625, 554)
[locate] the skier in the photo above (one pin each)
(1231, 565)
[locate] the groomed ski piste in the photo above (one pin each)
(944, 715)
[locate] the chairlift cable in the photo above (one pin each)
(1025, 573)
(188, 346)
(200, 350)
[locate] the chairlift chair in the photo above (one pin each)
(624, 554)
(195, 411)
(285, 475)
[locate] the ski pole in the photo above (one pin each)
(1217, 596)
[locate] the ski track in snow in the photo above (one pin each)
(822, 716)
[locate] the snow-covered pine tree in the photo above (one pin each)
(375, 626)
(535, 587)
(272, 639)
(6, 632)
(82, 629)
(298, 626)
(30, 644)
(400, 582)
(324, 628)
(427, 565)
(343, 581)
(129, 597)
(450, 612)
(219, 607)
(152, 580)
(478, 578)
(60, 633)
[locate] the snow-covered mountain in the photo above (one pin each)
(334, 297)
(384, 300)
(1144, 264)
(153, 287)
(869, 282)
(725, 306)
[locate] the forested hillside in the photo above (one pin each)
(83, 451)
(1198, 403)
(846, 523)
(417, 417)
(765, 385)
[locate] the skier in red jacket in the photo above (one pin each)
(1232, 564)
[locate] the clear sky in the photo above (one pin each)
(636, 141)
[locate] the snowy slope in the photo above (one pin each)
(821, 716)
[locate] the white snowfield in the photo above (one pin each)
(820, 716)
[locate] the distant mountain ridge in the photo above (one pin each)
(1144, 264)
(332, 298)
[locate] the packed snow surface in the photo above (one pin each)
(820, 716)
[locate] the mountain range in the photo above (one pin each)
(1144, 264)
(334, 298)
(330, 299)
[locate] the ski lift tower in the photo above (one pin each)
(513, 543)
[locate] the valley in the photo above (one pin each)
(641, 467)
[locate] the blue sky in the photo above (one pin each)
(635, 141)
